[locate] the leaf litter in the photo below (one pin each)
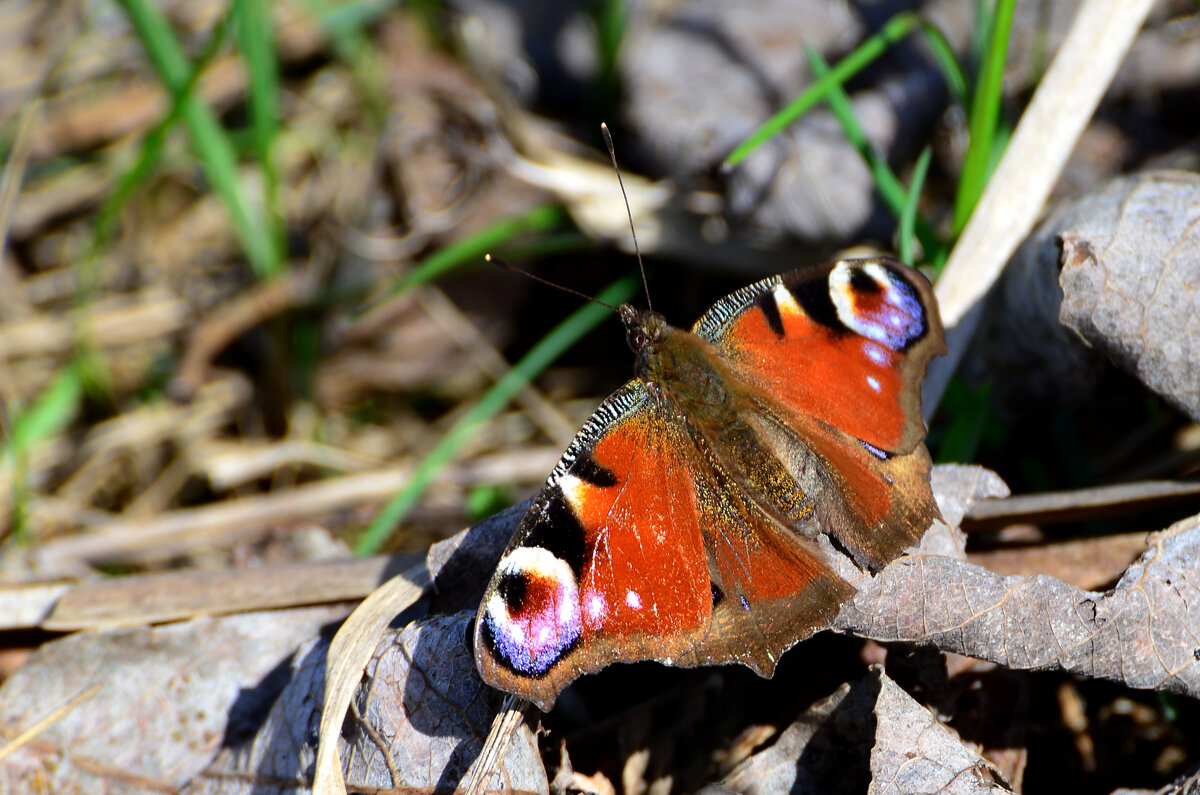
(261, 476)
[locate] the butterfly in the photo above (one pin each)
(682, 522)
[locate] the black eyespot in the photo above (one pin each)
(512, 591)
(862, 282)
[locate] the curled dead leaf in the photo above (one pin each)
(1131, 280)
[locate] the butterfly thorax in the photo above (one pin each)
(723, 416)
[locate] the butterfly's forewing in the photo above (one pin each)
(635, 550)
(604, 553)
(836, 356)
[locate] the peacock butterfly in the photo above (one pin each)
(681, 523)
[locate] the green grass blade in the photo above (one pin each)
(547, 245)
(350, 17)
(542, 218)
(152, 146)
(908, 213)
(977, 47)
(969, 411)
(872, 47)
(893, 31)
(51, 411)
(502, 392)
(91, 365)
(890, 189)
(257, 43)
(611, 18)
(984, 115)
(346, 24)
(256, 39)
(209, 140)
(943, 53)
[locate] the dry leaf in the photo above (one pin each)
(428, 712)
(462, 565)
(279, 754)
(957, 487)
(418, 722)
(1131, 280)
(868, 735)
(160, 713)
(825, 749)
(1144, 633)
(915, 753)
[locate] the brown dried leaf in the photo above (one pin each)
(1021, 347)
(914, 752)
(1131, 280)
(868, 727)
(419, 721)
(957, 487)
(279, 757)
(430, 713)
(825, 749)
(1143, 633)
(160, 712)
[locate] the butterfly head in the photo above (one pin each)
(644, 329)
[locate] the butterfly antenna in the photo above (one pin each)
(636, 249)
(547, 282)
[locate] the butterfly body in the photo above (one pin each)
(685, 376)
(683, 522)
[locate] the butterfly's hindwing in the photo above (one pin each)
(775, 586)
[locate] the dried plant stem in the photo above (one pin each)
(507, 719)
(1094, 47)
(349, 653)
